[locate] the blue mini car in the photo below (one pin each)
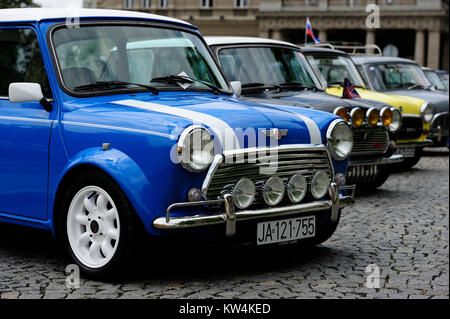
(101, 141)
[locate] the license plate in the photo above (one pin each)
(278, 231)
(407, 152)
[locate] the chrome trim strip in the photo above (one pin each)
(118, 128)
(396, 158)
(424, 143)
(230, 217)
(218, 159)
(25, 119)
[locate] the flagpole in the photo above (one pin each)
(306, 30)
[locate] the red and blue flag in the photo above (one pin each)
(309, 31)
(349, 90)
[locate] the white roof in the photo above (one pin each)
(38, 14)
(244, 40)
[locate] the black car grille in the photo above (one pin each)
(412, 127)
(261, 167)
(370, 141)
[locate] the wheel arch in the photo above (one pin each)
(116, 165)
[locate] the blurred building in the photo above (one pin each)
(416, 29)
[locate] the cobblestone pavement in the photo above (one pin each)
(402, 228)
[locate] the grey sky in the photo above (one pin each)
(58, 3)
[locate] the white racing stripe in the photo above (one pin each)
(222, 130)
(314, 131)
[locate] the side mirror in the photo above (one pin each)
(237, 87)
(25, 92)
(28, 92)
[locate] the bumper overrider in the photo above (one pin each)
(291, 159)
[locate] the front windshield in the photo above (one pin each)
(335, 68)
(135, 54)
(434, 79)
(266, 65)
(396, 76)
(445, 79)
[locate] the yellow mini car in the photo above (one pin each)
(334, 66)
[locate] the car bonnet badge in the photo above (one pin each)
(275, 133)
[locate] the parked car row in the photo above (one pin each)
(131, 124)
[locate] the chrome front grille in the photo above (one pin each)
(259, 167)
(370, 141)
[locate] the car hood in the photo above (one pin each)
(317, 101)
(408, 105)
(439, 101)
(230, 120)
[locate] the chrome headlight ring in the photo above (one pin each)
(195, 149)
(339, 140)
(397, 120)
(427, 112)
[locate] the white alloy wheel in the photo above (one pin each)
(93, 227)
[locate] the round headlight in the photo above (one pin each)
(396, 123)
(427, 112)
(386, 116)
(243, 193)
(373, 116)
(339, 140)
(341, 112)
(273, 191)
(357, 117)
(320, 184)
(195, 149)
(296, 188)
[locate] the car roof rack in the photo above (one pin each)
(351, 49)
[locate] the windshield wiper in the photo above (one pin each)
(113, 84)
(298, 85)
(185, 79)
(415, 86)
(258, 87)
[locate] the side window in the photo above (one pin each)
(21, 60)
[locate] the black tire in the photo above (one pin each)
(382, 176)
(130, 231)
(323, 233)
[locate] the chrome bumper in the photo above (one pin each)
(229, 217)
(396, 158)
(424, 143)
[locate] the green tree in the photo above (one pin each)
(17, 4)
